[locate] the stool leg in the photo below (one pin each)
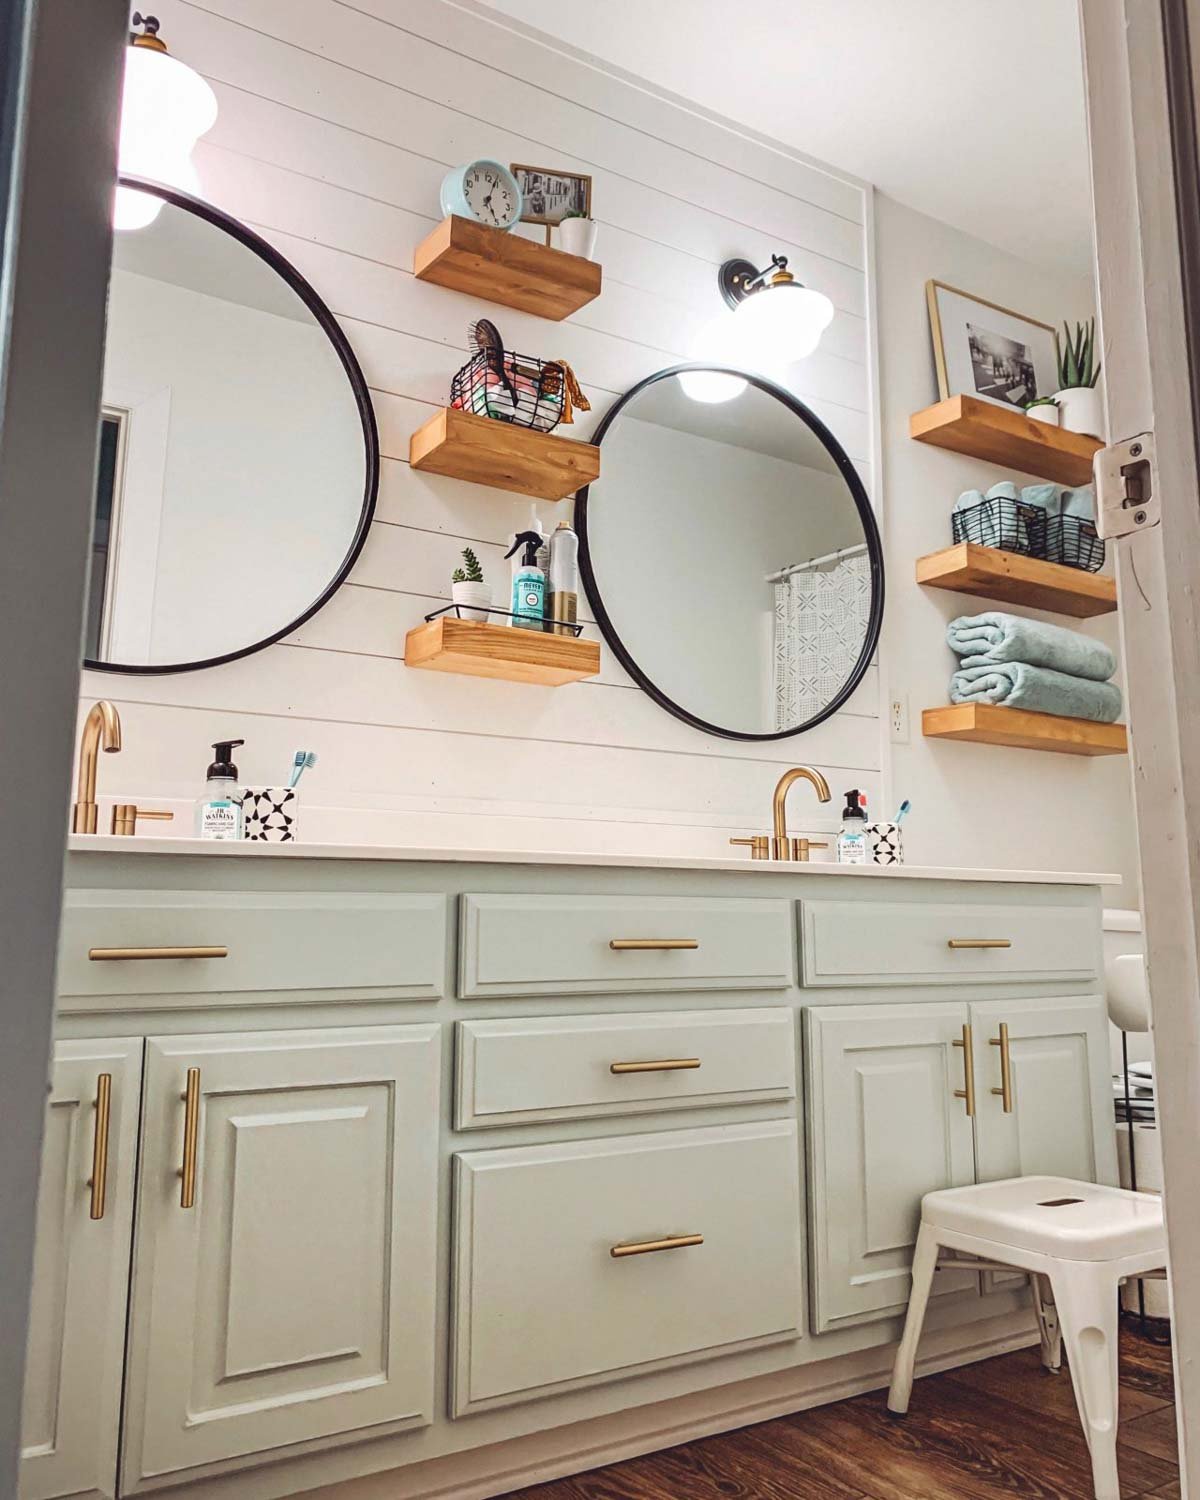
(1049, 1330)
(923, 1266)
(1086, 1297)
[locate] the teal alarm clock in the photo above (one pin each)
(483, 190)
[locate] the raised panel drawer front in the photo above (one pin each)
(884, 1128)
(708, 1226)
(879, 942)
(515, 1072)
(294, 1298)
(143, 942)
(600, 945)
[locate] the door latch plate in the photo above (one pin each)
(1127, 487)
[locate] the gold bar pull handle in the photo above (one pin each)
(1005, 1091)
(651, 1247)
(121, 955)
(656, 1065)
(651, 945)
(191, 1133)
(967, 1092)
(979, 943)
(98, 1181)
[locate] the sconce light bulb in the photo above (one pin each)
(165, 108)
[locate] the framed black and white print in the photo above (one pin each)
(549, 195)
(985, 350)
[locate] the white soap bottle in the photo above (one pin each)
(219, 808)
(852, 847)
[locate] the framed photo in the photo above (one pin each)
(549, 195)
(985, 350)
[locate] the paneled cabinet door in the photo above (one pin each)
(1060, 1119)
(81, 1272)
(884, 1128)
(284, 1274)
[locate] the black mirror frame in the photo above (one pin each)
(362, 399)
(865, 513)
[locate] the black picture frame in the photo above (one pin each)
(362, 399)
(866, 515)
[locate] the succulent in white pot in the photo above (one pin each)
(1079, 407)
(468, 589)
(577, 234)
(1043, 409)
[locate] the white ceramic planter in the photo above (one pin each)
(578, 237)
(1079, 410)
(474, 599)
(1047, 414)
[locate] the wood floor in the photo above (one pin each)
(999, 1430)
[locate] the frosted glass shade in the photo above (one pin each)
(165, 108)
(781, 324)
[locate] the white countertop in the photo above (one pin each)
(104, 843)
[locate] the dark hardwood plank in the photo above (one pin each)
(1021, 1379)
(1146, 1367)
(1171, 1491)
(1154, 1434)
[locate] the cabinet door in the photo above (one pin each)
(72, 1401)
(294, 1299)
(884, 1128)
(1061, 1121)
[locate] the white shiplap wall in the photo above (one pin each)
(336, 125)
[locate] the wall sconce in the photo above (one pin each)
(165, 108)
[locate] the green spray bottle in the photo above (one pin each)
(529, 583)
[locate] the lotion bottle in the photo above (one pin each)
(852, 847)
(529, 583)
(219, 809)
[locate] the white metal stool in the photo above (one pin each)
(1078, 1242)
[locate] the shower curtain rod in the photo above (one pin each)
(816, 562)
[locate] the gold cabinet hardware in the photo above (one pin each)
(801, 847)
(967, 1092)
(191, 1133)
(1005, 1090)
(98, 1181)
(116, 955)
(650, 945)
(125, 817)
(979, 943)
(758, 844)
(651, 1247)
(656, 1065)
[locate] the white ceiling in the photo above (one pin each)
(969, 110)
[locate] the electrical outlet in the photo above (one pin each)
(899, 721)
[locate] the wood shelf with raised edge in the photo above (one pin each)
(502, 455)
(967, 568)
(1002, 435)
(507, 652)
(992, 724)
(506, 268)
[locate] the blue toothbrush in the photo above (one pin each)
(905, 807)
(302, 761)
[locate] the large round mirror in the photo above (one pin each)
(730, 553)
(238, 457)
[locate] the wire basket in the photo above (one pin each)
(1013, 526)
(510, 387)
(1074, 542)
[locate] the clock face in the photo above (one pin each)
(491, 195)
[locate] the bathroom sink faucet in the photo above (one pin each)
(101, 729)
(780, 847)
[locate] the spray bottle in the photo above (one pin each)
(529, 583)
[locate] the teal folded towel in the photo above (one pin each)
(1044, 496)
(1015, 685)
(1080, 502)
(993, 637)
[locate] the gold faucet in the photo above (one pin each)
(780, 847)
(101, 728)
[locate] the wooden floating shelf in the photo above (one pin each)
(991, 724)
(510, 653)
(970, 569)
(483, 450)
(1003, 435)
(506, 268)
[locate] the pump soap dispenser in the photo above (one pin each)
(852, 846)
(219, 808)
(529, 583)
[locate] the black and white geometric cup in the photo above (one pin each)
(270, 814)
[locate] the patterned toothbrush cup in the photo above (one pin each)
(887, 843)
(270, 814)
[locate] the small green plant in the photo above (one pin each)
(573, 213)
(1077, 364)
(1041, 401)
(471, 573)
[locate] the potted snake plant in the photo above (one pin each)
(1043, 409)
(468, 589)
(1078, 371)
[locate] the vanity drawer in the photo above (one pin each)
(599, 945)
(541, 1303)
(518, 1072)
(219, 946)
(873, 943)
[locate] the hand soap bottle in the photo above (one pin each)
(219, 809)
(852, 847)
(529, 583)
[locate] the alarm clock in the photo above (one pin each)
(483, 190)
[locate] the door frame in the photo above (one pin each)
(57, 170)
(1141, 118)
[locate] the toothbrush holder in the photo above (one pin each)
(270, 814)
(887, 843)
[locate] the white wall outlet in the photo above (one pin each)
(898, 716)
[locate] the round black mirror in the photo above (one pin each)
(730, 553)
(238, 458)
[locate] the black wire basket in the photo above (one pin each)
(510, 387)
(1074, 542)
(1013, 526)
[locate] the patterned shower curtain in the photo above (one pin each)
(820, 623)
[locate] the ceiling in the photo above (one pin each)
(969, 110)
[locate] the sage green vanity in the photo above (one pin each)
(375, 1130)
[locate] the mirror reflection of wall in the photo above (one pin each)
(232, 464)
(730, 557)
